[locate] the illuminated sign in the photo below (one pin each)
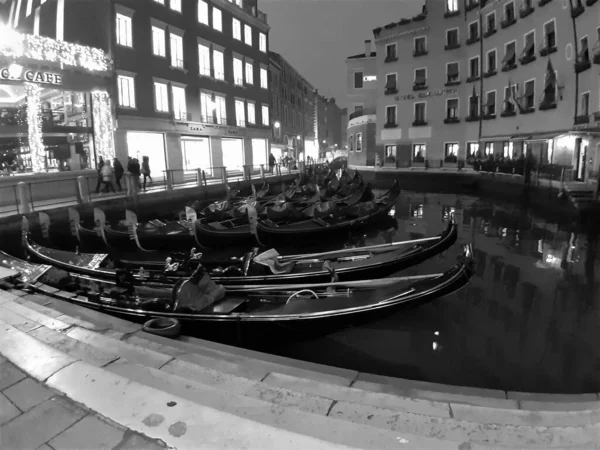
(427, 94)
(18, 73)
(370, 78)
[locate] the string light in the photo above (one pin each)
(18, 45)
(34, 127)
(103, 125)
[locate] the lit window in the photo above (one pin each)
(217, 19)
(203, 12)
(251, 113)
(204, 59)
(358, 142)
(264, 83)
(176, 5)
(221, 110)
(219, 65)
(249, 73)
(158, 41)
(237, 29)
(240, 113)
(162, 2)
(206, 106)
(262, 42)
(265, 115)
(29, 7)
(248, 34)
(451, 5)
(451, 149)
(161, 97)
(126, 91)
(124, 36)
(238, 72)
(176, 51)
(179, 103)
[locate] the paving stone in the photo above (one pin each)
(134, 441)
(90, 432)
(9, 374)
(28, 393)
(38, 425)
(7, 410)
(17, 321)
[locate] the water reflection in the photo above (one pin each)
(527, 321)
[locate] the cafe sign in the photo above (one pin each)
(16, 72)
(427, 94)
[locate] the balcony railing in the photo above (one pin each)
(362, 112)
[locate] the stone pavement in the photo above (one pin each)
(34, 416)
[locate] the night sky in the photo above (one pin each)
(316, 36)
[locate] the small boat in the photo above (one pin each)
(247, 311)
(258, 268)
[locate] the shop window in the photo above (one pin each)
(390, 153)
(161, 97)
(150, 145)
(251, 113)
(218, 65)
(176, 50)
(158, 41)
(265, 115)
(203, 12)
(240, 113)
(248, 35)
(236, 29)
(179, 103)
(264, 78)
(508, 149)
(124, 33)
(175, 5)
(249, 73)
(488, 149)
(472, 149)
(196, 154)
(358, 80)
(259, 153)
(126, 87)
(238, 72)
(233, 153)
(217, 19)
(451, 149)
(419, 153)
(359, 142)
(204, 59)
(262, 42)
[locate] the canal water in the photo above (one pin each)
(528, 321)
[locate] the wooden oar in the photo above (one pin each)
(357, 250)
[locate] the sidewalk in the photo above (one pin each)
(33, 416)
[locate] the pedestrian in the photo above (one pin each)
(133, 167)
(146, 170)
(119, 171)
(100, 165)
(107, 173)
(271, 162)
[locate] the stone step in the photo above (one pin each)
(388, 411)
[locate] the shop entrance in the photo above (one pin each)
(196, 154)
(233, 154)
(259, 153)
(152, 145)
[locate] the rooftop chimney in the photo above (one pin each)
(368, 47)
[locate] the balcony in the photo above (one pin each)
(390, 125)
(583, 119)
(390, 58)
(449, 14)
(472, 40)
(582, 64)
(420, 86)
(508, 112)
(490, 73)
(419, 123)
(472, 118)
(489, 32)
(527, 58)
(420, 52)
(452, 46)
(577, 10)
(543, 2)
(548, 50)
(451, 120)
(526, 9)
(508, 22)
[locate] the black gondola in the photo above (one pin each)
(275, 312)
(266, 268)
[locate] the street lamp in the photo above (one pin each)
(277, 125)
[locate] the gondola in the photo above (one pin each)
(275, 312)
(253, 268)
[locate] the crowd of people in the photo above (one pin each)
(111, 174)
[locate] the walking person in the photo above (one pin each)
(100, 165)
(107, 173)
(133, 167)
(119, 171)
(146, 170)
(271, 162)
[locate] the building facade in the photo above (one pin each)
(362, 92)
(329, 126)
(190, 83)
(292, 107)
(485, 80)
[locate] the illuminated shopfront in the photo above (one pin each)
(196, 154)
(151, 145)
(233, 153)
(259, 153)
(55, 110)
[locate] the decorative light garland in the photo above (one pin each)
(34, 127)
(18, 45)
(103, 125)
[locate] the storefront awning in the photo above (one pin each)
(540, 137)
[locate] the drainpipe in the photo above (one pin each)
(576, 47)
(481, 78)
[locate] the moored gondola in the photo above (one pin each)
(282, 311)
(253, 268)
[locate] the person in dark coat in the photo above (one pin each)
(119, 171)
(133, 167)
(146, 169)
(271, 162)
(100, 165)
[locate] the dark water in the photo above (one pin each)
(528, 321)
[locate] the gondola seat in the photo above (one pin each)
(196, 295)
